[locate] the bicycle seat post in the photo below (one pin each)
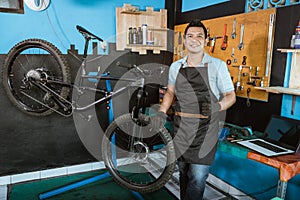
(86, 46)
(141, 99)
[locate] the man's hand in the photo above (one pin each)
(159, 120)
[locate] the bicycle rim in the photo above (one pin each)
(40, 59)
(137, 157)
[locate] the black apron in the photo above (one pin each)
(195, 138)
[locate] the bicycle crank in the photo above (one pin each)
(47, 106)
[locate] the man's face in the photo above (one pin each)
(195, 39)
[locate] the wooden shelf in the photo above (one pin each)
(156, 22)
(280, 90)
(144, 46)
(138, 12)
(289, 50)
(131, 12)
(158, 29)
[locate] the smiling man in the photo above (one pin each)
(202, 87)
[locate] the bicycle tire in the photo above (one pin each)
(126, 166)
(35, 56)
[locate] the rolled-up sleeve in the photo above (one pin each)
(173, 72)
(224, 79)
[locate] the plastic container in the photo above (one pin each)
(150, 39)
(135, 36)
(293, 41)
(130, 35)
(139, 35)
(144, 34)
(297, 37)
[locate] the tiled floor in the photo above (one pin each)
(216, 189)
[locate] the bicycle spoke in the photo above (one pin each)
(132, 160)
(31, 60)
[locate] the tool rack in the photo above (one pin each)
(249, 64)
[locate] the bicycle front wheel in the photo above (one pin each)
(138, 157)
(38, 59)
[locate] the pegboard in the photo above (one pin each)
(250, 66)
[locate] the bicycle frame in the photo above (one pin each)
(69, 107)
(37, 80)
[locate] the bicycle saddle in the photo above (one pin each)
(87, 33)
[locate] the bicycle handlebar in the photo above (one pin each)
(125, 65)
(130, 66)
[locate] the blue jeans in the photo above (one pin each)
(192, 179)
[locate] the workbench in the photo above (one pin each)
(241, 167)
(287, 165)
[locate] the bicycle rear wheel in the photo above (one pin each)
(38, 59)
(137, 157)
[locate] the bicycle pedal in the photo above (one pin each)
(86, 117)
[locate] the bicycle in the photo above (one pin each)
(36, 79)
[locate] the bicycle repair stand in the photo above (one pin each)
(95, 178)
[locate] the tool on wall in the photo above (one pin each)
(208, 36)
(248, 97)
(238, 83)
(233, 34)
(250, 74)
(228, 62)
(241, 45)
(232, 55)
(225, 38)
(262, 82)
(270, 44)
(256, 70)
(244, 74)
(244, 60)
(180, 50)
(213, 43)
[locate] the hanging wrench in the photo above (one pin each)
(241, 45)
(213, 43)
(208, 36)
(238, 83)
(232, 55)
(233, 34)
(248, 103)
(225, 37)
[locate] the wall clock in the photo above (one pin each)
(37, 5)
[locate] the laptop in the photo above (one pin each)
(281, 136)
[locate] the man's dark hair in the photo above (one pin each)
(196, 23)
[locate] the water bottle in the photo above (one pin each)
(130, 36)
(144, 32)
(297, 37)
(134, 33)
(139, 35)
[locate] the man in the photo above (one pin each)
(202, 87)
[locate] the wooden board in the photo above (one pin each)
(295, 71)
(280, 90)
(258, 48)
(294, 67)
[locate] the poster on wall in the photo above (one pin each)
(14, 6)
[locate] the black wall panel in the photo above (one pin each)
(35, 143)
